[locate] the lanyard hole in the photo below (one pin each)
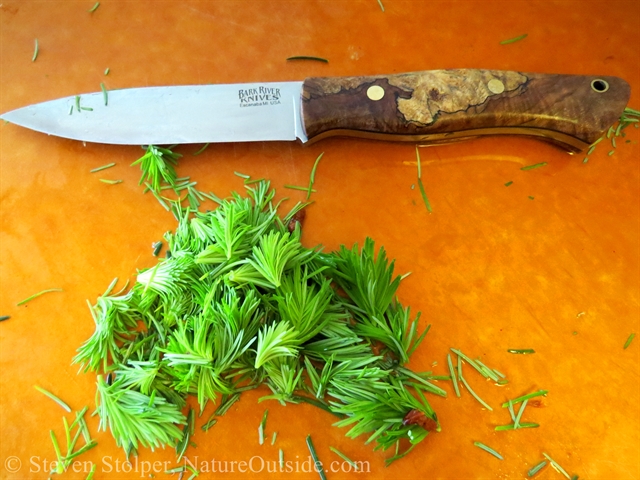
(599, 85)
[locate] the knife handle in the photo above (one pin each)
(439, 106)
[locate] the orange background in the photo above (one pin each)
(491, 268)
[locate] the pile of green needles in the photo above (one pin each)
(239, 302)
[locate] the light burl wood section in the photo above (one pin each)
(449, 91)
(447, 105)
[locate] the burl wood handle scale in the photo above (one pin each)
(438, 106)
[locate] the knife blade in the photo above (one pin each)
(437, 106)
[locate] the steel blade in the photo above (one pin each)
(168, 115)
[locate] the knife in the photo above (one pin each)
(571, 111)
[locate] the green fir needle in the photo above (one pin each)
(179, 469)
(556, 465)
(525, 397)
(531, 167)
(345, 458)
(316, 461)
(504, 428)
(105, 94)
(425, 199)
(629, 340)
(308, 57)
(204, 147)
(535, 469)
(103, 167)
(452, 373)
(516, 422)
(35, 51)
(515, 39)
(511, 412)
(56, 447)
(488, 449)
(474, 394)
(312, 177)
(91, 472)
(298, 187)
(53, 397)
(36, 295)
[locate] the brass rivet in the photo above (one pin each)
(495, 86)
(375, 92)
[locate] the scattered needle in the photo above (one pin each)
(53, 397)
(474, 394)
(312, 178)
(515, 39)
(488, 449)
(345, 458)
(537, 165)
(307, 57)
(201, 150)
(35, 295)
(298, 187)
(525, 397)
(629, 340)
(103, 167)
(35, 52)
(424, 196)
(556, 465)
(316, 461)
(536, 468)
(105, 94)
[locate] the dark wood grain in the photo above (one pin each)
(446, 105)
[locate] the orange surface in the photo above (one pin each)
(491, 268)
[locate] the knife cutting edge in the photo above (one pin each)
(438, 106)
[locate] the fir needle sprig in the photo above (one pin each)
(134, 419)
(157, 165)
